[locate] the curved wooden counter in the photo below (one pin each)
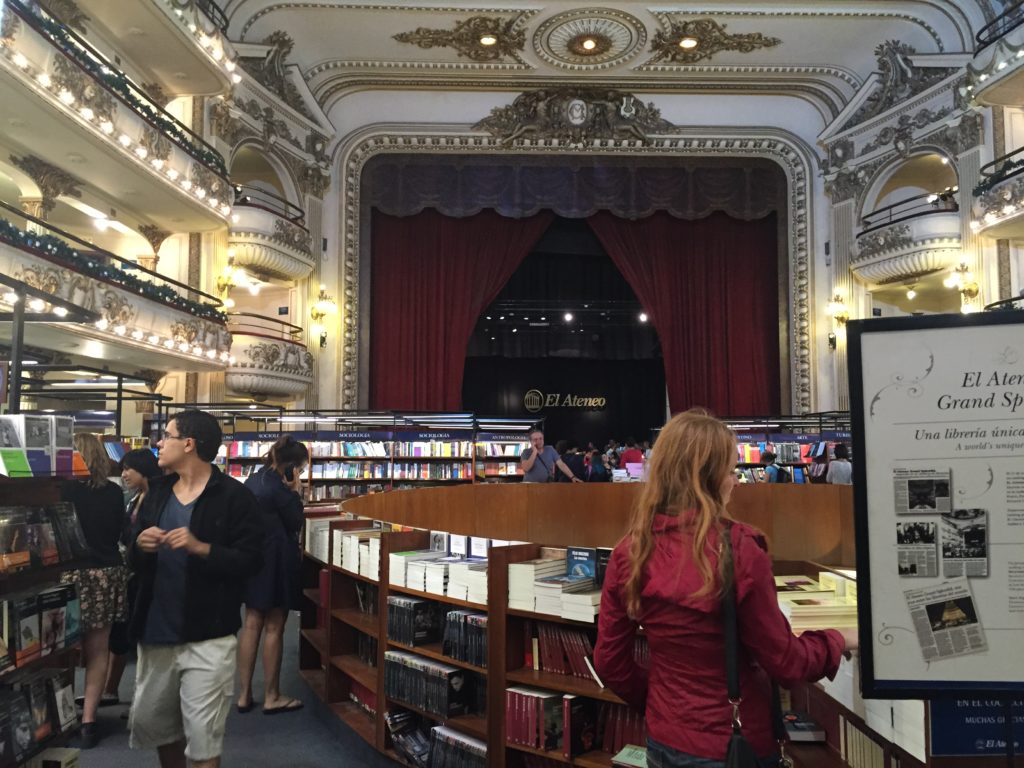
(802, 522)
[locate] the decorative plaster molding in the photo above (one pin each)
(267, 257)
(465, 38)
(69, 14)
(901, 136)
(270, 71)
(447, 66)
(711, 39)
(10, 25)
(154, 236)
(794, 158)
(618, 37)
(913, 260)
(51, 180)
(881, 240)
(269, 368)
(575, 117)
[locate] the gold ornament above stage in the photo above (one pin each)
(576, 117)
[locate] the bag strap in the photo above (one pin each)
(732, 650)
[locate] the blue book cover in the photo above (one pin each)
(581, 561)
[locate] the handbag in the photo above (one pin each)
(739, 753)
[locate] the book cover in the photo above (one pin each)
(10, 432)
(72, 615)
(23, 628)
(42, 545)
(800, 727)
(67, 531)
(14, 543)
(62, 699)
(40, 707)
(14, 463)
(581, 561)
(6, 737)
(631, 756)
(51, 620)
(459, 545)
(21, 725)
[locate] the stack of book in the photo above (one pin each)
(436, 574)
(815, 612)
(459, 577)
(521, 577)
(842, 581)
(400, 567)
(408, 737)
(793, 587)
(581, 606)
(533, 717)
(350, 544)
(413, 621)
(37, 624)
(451, 748)
(549, 590)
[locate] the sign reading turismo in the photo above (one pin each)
(535, 400)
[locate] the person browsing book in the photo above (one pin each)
(840, 470)
(539, 462)
(666, 574)
(197, 541)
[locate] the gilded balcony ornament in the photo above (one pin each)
(46, 279)
(116, 308)
(901, 136)
(225, 125)
(292, 236)
(901, 80)
(69, 14)
(10, 25)
(575, 116)
(156, 144)
(51, 180)
(270, 71)
(154, 236)
(710, 39)
(480, 38)
(203, 178)
(87, 92)
(880, 241)
(156, 92)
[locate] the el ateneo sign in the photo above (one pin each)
(535, 400)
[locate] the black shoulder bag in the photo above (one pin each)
(739, 753)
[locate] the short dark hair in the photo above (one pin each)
(142, 461)
(287, 450)
(767, 457)
(534, 431)
(203, 428)
(841, 451)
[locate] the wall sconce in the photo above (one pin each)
(324, 305)
(963, 280)
(233, 276)
(837, 309)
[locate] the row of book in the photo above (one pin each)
(33, 710)
(349, 470)
(366, 649)
(465, 637)
(38, 624)
(413, 621)
(561, 582)
(458, 449)
(573, 725)
(409, 737)
(38, 445)
(38, 536)
(336, 448)
(501, 449)
(451, 749)
(454, 470)
(340, 491)
(432, 686)
(499, 469)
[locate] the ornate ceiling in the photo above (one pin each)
(820, 50)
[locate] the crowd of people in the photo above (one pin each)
(590, 464)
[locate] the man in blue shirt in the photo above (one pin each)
(539, 462)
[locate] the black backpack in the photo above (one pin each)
(782, 475)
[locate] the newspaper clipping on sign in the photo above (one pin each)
(946, 620)
(965, 543)
(921, 490)
(917, 548)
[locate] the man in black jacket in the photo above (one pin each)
(198, 538)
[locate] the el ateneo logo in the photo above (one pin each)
(534, 400)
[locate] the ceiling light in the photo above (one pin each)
(107, 127)
(125, 140)
(120, 330)
(488, 40)
(153, 338)
(22, 63)
(44, 80)
(66, 97)
(568, 317)
(911, 293)
(515, 330)
(688, 43)
(643, 317)
(137, 334)
(169, 343)
(589, 44)
(60, 311)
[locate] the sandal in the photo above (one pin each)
(293, 705)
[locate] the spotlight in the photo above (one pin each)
(643, 317)
(567, 317)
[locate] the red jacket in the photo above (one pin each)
(685, 690)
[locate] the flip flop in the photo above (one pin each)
(294, 705)
(243, 708)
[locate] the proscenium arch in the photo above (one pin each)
(794, 157)
(286, 185)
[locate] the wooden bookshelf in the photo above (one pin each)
(367, 623)
(394, 588)
(433, 651)
(357, 669)
(562, 683)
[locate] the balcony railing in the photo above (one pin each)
(99, 68)
(1004, 23)
(214, 13)
(254, 197)
(999, 170)
(252, 324)
(36, 236)
(911, 208)
(270, 358)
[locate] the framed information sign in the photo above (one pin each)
(937, 408)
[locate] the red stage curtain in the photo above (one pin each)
(710, 287)
(432, 276)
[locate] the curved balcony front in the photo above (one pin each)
(146, 320)
(996, 75)
(268, 235)
(181, 43)
(268, 360)
(909, 239)
(998, 209)
(64, 102)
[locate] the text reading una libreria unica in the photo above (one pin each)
(1006, 390)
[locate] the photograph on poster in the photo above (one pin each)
(946, 620)
(921, 490)
(965, 543)
(916, 547)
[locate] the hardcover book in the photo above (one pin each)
(581, 561)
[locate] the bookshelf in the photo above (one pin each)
(497, 456)
(808, 527)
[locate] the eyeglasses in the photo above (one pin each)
(168, 436)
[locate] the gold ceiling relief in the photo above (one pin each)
(575, 117)
(480, 38)
(687, 42)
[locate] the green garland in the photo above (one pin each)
(1007, 170)
(52, 247)
(118, 82)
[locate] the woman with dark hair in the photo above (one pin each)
(138, 467)
(275, 589)
(840, 470)
(668, 574)
(101, 582)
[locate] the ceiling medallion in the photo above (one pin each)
(480, 38)
(589, 38)
(687, 42)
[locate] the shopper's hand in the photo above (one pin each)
(150, 539)
(576, 479)
(182, 538)
(851, 640)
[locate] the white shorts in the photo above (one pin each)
(183, 692)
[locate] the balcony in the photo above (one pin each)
(910, 238)
(268, 235)
(268, 358)
(146, 320)
(997, 71)
(998, 209)
(182, 45)
(64, 102)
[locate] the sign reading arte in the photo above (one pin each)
(535, 400)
